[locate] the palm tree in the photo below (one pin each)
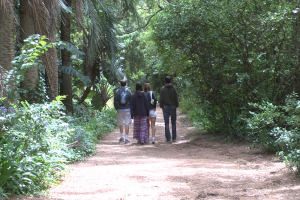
(66, 79)
(38, 17)
(50, 59)
(7, 30)
(27, 29)
(100, 42)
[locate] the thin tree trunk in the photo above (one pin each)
(66, 84)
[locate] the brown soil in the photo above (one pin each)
(197, 166)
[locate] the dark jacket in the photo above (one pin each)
(139, 104)
(168, 96)
(149, 100)
(118, 96)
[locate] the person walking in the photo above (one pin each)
(139, 109)
(169, 102)
(152, 100)
(122, 100)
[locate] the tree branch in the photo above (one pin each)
(142, 27)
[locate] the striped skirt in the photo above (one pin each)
(140, 129)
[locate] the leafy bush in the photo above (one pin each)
(34, 47)
(195, 113)
(276, 128)
(261, 123)
(34, 144)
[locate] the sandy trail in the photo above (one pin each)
(197, 166)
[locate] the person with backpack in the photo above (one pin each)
(152, 100)
(169, 102)
(139, 109)
(122, 101)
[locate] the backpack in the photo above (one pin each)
(123, 99)
(152, 100)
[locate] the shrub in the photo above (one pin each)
(34, 144)
(276, 128)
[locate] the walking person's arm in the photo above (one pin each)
(176, 98)
(132, 106)
(116, 100)
(161, 99)
(146, 103)
(155, 101)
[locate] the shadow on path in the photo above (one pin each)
(197, 166)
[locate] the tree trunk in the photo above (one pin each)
(50, 58)
(27, 29)
(66, 84)
(7, 30)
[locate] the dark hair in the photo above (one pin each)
(123, 82)
(168, 79)
(147, 87)
(138, 86)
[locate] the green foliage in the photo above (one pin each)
(263, 120)
(276, 128)
(235, 62)
(73, 72)
(31, 52)
(34, 144)
(232, 53)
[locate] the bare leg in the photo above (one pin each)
(153, 129)
(121, 129)
(121, 134)
(127, 129)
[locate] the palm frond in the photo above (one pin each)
(73, 49)
(63, 6)
(101, 28)
(73, 72)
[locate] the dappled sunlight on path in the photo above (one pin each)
(197, 166)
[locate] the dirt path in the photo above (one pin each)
(197, 166)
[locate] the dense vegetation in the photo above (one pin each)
(236, 61)
(239, 62)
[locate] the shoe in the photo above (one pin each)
(127, 141)
(142, 143)
(173, 140)
(121, 139)
(168, 140)
(153, 142)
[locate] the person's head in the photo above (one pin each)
(168, 79)
(123, 82)
(147, 87)
(138, 86)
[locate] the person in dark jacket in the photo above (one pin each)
(152, 100)
(139, 109)
(122, 100)
(169, 102)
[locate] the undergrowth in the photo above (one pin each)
(34, 142)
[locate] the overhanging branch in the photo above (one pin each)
(142, 27)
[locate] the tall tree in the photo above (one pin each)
(50, 59)
(39, 17)
(66, 79)
(7, 30)
(27, 29)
